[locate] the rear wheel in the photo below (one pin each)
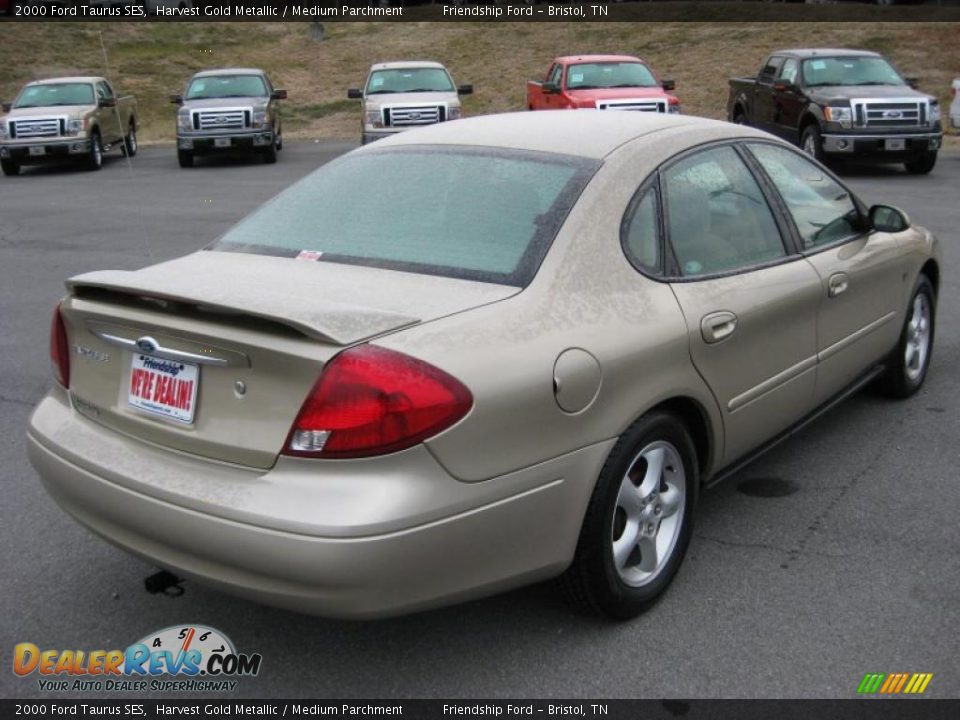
(639, 520)
(739, 118)
(130, 142)
(185, 158)
(922, 165)
(9, 167)
(907, 366)
(811, 142)
(279, 139)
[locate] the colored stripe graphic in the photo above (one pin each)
(894, 683)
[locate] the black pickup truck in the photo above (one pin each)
(839, 104)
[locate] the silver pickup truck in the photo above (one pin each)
(68, 118)
(402, 95)
(231, 109)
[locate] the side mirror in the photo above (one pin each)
(888, 219)
(550, 88)
(668, 85)
(6, 107)
(107, 103)
(465, 90)
(278, 95)
(355, 94)
(176, 99)
(913, 82)
(784, 86)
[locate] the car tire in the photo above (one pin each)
(269, 154)
(811, 143)
(643, 499)
(739, 118)
(185, 158)
(130, 145)
(279, 140)
(922, 165)
(95, 156)
(10, 168)
(908, 364)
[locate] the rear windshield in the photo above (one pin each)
(409, 80)
(58, 94)
(479, 214)
(221, 86)
(585, 76)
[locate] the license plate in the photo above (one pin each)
(221, 142)
(894, 144)
(164, 387)
(36, 150)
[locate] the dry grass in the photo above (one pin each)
(153, 60)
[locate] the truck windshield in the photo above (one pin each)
(476, 213)
(55, 94)
(403, 80)
(825, 71)
(222, 86)
(585, 76)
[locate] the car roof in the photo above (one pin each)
(825, 52)
(229, 71)
(597, 58)
(585, 133)
(76, 79)
(398, 64)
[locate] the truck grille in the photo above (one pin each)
(225, 119)
(37, 127)
(659, 106)
(890, 113)
(410, 116)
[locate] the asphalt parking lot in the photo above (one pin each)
(833, 556)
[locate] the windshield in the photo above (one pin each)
(478, 214)
(849, 71)
(609, 75)
(58, 94)
(221, 86)
(409, 80)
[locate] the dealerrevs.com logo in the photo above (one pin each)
(200, 657)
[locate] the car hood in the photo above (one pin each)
(618, 93)
(332, 302)
(414, 98)
(48, 110)
(830, 93)
(225, 102)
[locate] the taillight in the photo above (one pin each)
(372, 401)
(59, 350)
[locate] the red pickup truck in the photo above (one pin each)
(604, 82)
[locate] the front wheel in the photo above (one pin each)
(922, 165)
(638, 522)
(9, 168)
(95, 157)
(811, 143)
(185, 158)
(270, 154)
(907, 366)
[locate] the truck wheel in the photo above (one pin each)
(9, 167)
(130, 142)
(95, 157)
(280, 138)
(270, 154)
(922, 165)
(739, 118)
(185, 158)
(810, 142)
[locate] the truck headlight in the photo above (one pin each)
(4, 130)
(374, 118)
(74, 126)
(259, 118)
(674, 109)
(454, 113)
(841, 115)
(183, 120)
(934, 115)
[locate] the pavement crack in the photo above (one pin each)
(732, 543)
(16, 401)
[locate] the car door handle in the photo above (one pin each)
(718, 326)
(838, 283)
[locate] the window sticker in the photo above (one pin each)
(818, 64)
(312, 255)
(377, 81)
(576, 77)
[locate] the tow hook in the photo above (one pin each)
(164, 582)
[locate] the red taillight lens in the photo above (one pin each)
(59, 350)
(373, 401)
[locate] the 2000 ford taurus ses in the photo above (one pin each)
(475, 356)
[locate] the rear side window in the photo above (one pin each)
(769, 71)
(460, 212)
(822, 209)
(718, 218)
(641, 234)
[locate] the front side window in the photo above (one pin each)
(584, 76)
(822, 209)
(788, 73)
(405, 80)
(556, 74)
(226, 86)
(55, 94)
(769, 71)
(459, 212)
(718, 218)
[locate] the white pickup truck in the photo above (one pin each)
(402, 95)
(955, 105)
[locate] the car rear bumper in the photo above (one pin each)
(22, 154)
(894, 147)
(350, 539)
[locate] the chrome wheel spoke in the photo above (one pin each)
(624, 546)
(670, 501)
(629, 498)
(648, 553)
(651, 479)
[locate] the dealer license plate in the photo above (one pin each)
(221, 142)
(894, 144)
(164, 387)
(36, 150)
